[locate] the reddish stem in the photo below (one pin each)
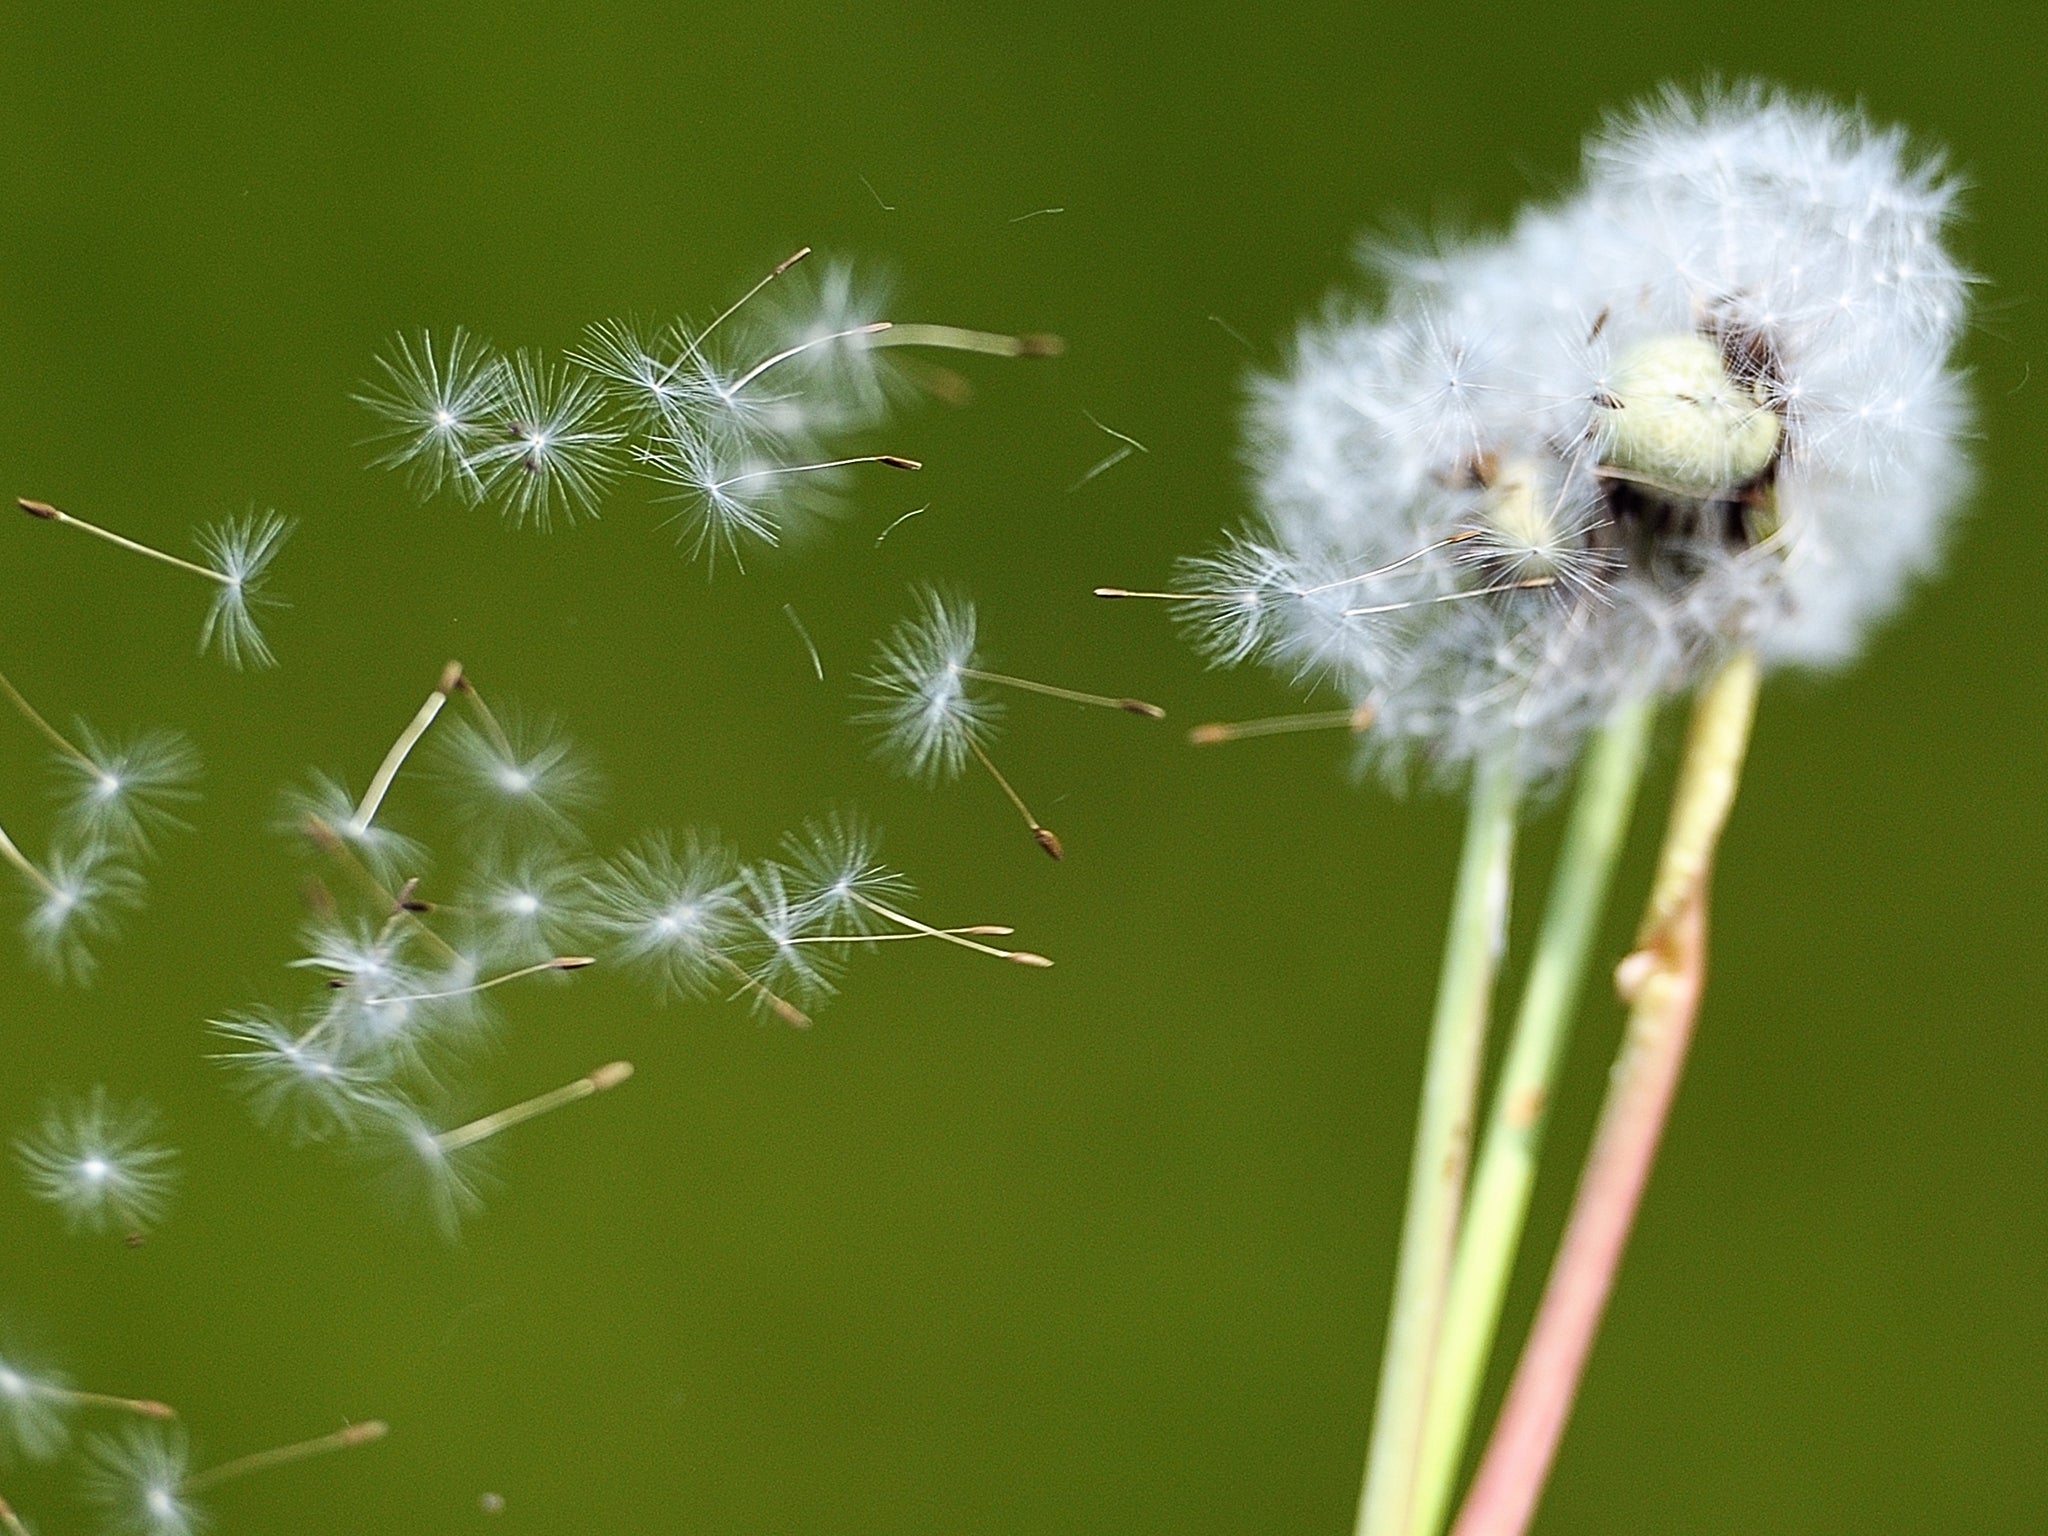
(1663, 983)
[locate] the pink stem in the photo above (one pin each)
(1664, 983)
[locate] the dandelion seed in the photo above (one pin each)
(99, 1162)
(142, 1481)
(674, 913)
(1217, 732)
(780, 967)
(121, 792)
(75, 901)
(523, 907)
(295, 1080)
(930, 717)
(517, 777)
(447, 1159)
(553, 450)
(36, 1405)
(440, 409)
(238, 555)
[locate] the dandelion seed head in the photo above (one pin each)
(1706, 401)
(99, 1162)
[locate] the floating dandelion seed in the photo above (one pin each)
(36, 1405)
(238, 555)
(440, 408)
(849, 896)
(99, 1162)
(515, 777)
(673, 913)
(298, 1080)
(524, 906)
(444, 1163)
(75, 899)
(740, 420)
(554, 451)
(119, 792)
(141, 1480)
(932, 715)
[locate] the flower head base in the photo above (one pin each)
(1705, 403)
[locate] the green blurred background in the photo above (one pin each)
(1104, 1248)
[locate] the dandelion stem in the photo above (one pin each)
(1497, 1206)
(13, 855)
(1219, 731)
(1128, 706)
(49, 732)
(1443, 1144)
(950, 935)
(608, 1076)
(953, 338)
(874, 327)
(380, 785)
(50, 514)
(559, 963)
(984, 930)
(262, 1461)
(782, 1007)
(10, 1522)
(1662, 982)
(1041, 834)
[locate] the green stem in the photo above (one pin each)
(1662, 982)
(1443, 1144)
(1498, 1205)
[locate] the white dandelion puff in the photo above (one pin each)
(1706, 403)
(76, 900)
(136, 1479)
(672, 913)
(440, 406)
(126, 791)
(517, 777)
(552, 449)
(293, 1079)
(99, 1162)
